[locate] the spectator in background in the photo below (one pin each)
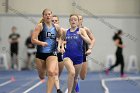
(30, 50)
(14, 42)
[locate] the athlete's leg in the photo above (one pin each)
(60, 66)
(77, 72)
(52, 64)
(83, 72)
(71, 73)
(41, 68)
(57, 82)
(60, 62)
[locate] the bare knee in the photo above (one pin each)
(56, 73)
(51, 73)
(72, 73)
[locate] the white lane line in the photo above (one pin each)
(117, 79)
(104, 86)
(5, 83)
(13, 91)
(36, 85)
(24, 85)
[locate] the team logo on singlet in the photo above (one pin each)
(72, 37)
(50, 35)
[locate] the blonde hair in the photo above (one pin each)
(46, 10)
(42, 20)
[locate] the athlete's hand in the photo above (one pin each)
(44, 44)
(88, 52)
(58, 49)
(62, 50)
(79, 32)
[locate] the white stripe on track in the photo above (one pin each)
(24, 85)
(104, 86)
(31, 88)
(116, 79)
(5, 83)
(126, 78)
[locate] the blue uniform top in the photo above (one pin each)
(74, 44)
(47, 35)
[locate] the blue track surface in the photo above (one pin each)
(123, 86)
(92, 84)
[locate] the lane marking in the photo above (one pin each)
(33, 87)
(104, 86)
(24, 85)
(115, 79)
(7, 82)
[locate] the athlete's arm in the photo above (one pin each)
(84, 36)
(59, 36)
(63, 40)
(35, 34)
(58, 29)
(91, 36)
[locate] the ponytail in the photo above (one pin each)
(41, 20)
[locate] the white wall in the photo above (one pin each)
(137, 24)
(111, 7)
(64, 7)
(2, 8)
(103, 34)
